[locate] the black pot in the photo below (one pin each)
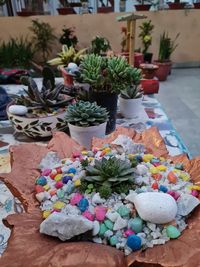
(108, 101)
(148, 57)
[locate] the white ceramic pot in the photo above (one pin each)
(84, 135)
(129, 108)
(37, 127)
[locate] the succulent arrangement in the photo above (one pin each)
(99, 45)
(48, 97)
(108, 174)
(85, 114)
(132, 92)
(67, 55)
(111, 75)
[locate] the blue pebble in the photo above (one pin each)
(72, 170)
(106, 145)
(155, 160)
(66, 179)
(138, 158)
(134, 242)
(163, 188)
(41, 181)
(83, 204)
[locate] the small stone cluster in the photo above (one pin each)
(151, 213)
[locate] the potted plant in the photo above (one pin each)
(65, 8)
(131, 97)
(64, 58)
(176, 5)
(144, 5)
(107, 77)
(146, 38)
(86, 120)
(196, 4)
(68, 37)
(31, 8)
(99, 45)
(148, 70)
(39, 112)
(167, 47)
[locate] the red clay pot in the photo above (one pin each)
(148, 70)
(150, 86)
(196, 5)
(66, 11)
(163, 71)
(142, 7)
(68, 79)
(138, 58)
(105, 9)
(176, 5)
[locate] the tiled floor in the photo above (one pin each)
(180, 97)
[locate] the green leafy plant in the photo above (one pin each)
(85, 114)
(108, 174)
(48, 97)
(67, 55)
(16, 52)
(167, 47)
(132, 92)
(43, 37)
(68, 37)
(111, 75)
(99, 45)
(145, 35)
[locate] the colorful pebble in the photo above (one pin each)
(41, 181)
(103, 229)
(72, 170)
(134, 242)
(128, 232)
(136, 225)
(58, 177)
(58, 205)
(154, 185)
(172, 178)
(83, 204)
(172, 232)
(66, 179)
(46, 214)
(46, 172)
(76, 199)
(39, 188)
(88, 215)
(59, 184)
(77, 182)
(100, 213)
(163, 188)
(113, 240)
(109, 224)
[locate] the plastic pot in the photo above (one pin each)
(129, 108)
(148, 57)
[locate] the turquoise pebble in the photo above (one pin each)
(83, 204)
(106, 145)
(163, 188)
(113, 240)
(72, 170)
(155, 160)
(60, 193)
(123, 211)
(41, 181)
(179, 166)
(134, 242)
(172, 231)
(109, 224)
(103, 229)
(136, 225)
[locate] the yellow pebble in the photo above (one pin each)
(195, 187)
(131, 156)
(107, 149)
(162, 159)
(58, 205)
(46, 187)
(77, 182)
(84, 152)
(70, 174)
(147, 157)
(46, 213)
(90, 158)
(161, 168)
(58, 177)
(184, 177)
(153, 170)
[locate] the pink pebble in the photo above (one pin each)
(87, 214)
(176, 195)
(59, 184)
(76, 154)
(195, 193)
(46, 172)
(95, 149)
(156, 164)
(75, 199)
(128, 232)
(100, 213)
(171, 193)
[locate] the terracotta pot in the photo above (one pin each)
(176, 5)
(150, 86)
(138, 58)
(105, 9)
(148, 70)
(68, 78)
(66, 11)
(163, 70)
(26, 13)
(142, 7)
(196, 5)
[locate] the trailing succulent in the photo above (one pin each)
(109, 75)
(110, 175)
(48, 97)
(85, 114)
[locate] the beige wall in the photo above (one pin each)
(187, 22)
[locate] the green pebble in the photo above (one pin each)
(113, 240)
(136, 225)
(172, 232)
(109, 224)
(90, 186)
(60, 193)
(103, 229)
(123, 211)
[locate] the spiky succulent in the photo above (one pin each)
(109, 173)
(49, 96)
(85, 114)
(132, 92)
(67, 55)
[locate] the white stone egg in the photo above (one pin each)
(18, 110)
(72, 66)
(156, 207)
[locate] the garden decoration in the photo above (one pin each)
(167, 47)
(130, 41)
(146, 38)
(86, 120)
(99, 45)
(39, 112)
(107, 77)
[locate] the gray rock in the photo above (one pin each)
(120, 224)
(186, 203)
(70, 209)
(97, 240)
(65, 226)
(50, 161)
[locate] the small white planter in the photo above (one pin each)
(129, 108)
(84, 135)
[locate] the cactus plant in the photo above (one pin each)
(86, 114)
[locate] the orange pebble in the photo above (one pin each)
(39, 188)
(172, 177)
(52, 192)
(103, 153)
(156, 176)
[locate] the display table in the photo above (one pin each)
(151, 114)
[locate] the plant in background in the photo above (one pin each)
(145, 35)
(16, 53)
(167, 47)
(2, 2)
(108, 174)
(86, 114)
(132, 92)
(99, 45)
(124, 38)
(68, 37)
(67, 55)
(43, 37)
